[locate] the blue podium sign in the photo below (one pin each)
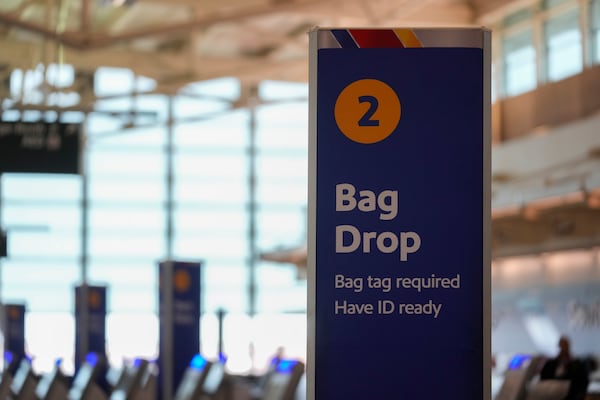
(90, 322)
(399, 205)
(13, 330)
(179, 312)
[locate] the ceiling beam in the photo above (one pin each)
(19, 54)
(86, 41)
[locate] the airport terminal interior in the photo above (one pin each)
(193, 120)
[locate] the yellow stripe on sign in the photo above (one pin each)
(408, 38)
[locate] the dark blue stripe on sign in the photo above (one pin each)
(344, 39)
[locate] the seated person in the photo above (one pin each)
(564, 366)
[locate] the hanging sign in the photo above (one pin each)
(40, 147)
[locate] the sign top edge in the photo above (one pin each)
(364, 37)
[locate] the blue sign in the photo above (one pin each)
(399, 214)
(13, 329)
(179, 304)
(90, 322)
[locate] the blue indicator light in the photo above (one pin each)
(58, 362)
(517, 361)
(92, 359)
(8, 357)
(137, 362)
(286, 366)
(198, 362)
(222, 358)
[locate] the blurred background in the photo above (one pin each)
(195, 126)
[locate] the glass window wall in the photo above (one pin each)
(595, 30)
(562, 37)
(519, 63)
(114, 222)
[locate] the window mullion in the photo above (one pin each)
(540, 48)
(585, 28)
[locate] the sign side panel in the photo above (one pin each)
(312, 218)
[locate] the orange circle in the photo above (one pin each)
(94, 299)
(181, 281)
(367, 111)
(13, 313)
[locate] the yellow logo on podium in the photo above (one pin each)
(181, 281)
(367, 111)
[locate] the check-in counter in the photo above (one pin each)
(53, 385)
(24, 382)
(85, 385)
(137, 382)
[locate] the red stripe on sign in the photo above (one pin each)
(375, 38)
